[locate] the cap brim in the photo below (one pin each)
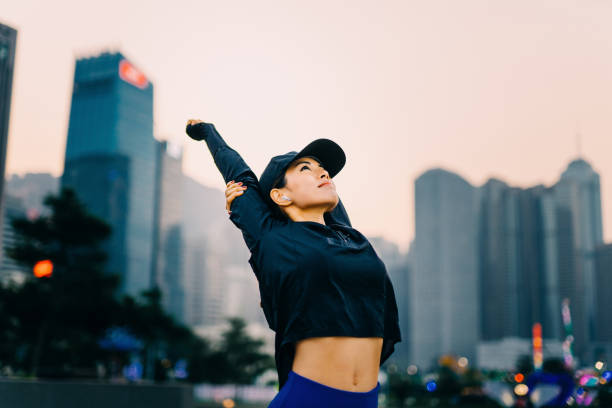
(328, 152)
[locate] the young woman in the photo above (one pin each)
(324, 291)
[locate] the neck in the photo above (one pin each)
(311, 214)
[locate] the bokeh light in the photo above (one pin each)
(519, 377)
(431, 386)
(43, 269)
(521, 390)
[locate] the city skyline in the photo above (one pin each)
(521, 80)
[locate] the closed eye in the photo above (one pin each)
(305, 167)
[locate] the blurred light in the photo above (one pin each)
(180, 369)
(602, 381)
(43, 269)
(133, 371)
(412, 370)
(228, 403)
(431, 386)
(599, 365)
(580, 391)
(588, 380)
(607, 375)
(519, 377)
(32, 214)
(463, 362)
(521, 390)
(507, 399)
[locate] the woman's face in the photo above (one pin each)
(309, 185)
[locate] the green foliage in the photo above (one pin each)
(238, 358)
(51, 327)
(56, 321)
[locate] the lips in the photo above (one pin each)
(324, 183)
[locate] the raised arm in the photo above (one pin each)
(250, 213)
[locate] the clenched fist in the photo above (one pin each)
(193, 130)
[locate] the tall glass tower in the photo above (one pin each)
(8, 42)
(111, 160)
(444, 306)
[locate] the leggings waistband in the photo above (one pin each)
(322, 388)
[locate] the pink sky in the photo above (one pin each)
(477, 87)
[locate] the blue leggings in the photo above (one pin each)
(302, 392)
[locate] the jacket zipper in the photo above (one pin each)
(342, 237)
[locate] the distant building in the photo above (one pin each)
(9, 269)
(578, 199)
(111, 160)
(8, 44)
(169, 243)
(444, 308)
(503, 354)
(514, 286)
(32, 188)
(23, 198)
(219, 281)
(602, 345)
(398, 270)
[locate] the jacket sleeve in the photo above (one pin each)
(338, 215)
(250, 212)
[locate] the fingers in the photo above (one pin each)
(193, 121)
(233, 190)
(233, 187)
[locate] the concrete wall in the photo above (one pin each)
(75, 394)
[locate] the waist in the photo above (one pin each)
(346, 363)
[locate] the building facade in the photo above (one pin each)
(111, 160)
(444, 306)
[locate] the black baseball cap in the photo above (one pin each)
(326, 151)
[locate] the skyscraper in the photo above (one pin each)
(444, 283)
(111, 158)
(578, 200)
(512, 262)
(603, 280)
(8, 42)
(169, 243)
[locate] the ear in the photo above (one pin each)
(276, 196)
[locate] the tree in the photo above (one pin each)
(238, 358)
(55, 321)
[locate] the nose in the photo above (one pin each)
(324, 173)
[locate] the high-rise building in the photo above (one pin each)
(9, 269)
(8, 43)
(169, 242)
(111, 160)
(396, 264)
(603, 304)
(512, 262)
(578, 199)
(444, 286)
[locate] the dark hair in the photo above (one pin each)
(280, 182)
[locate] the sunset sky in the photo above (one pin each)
(482, 88)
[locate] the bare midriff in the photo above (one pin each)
(346, 363)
